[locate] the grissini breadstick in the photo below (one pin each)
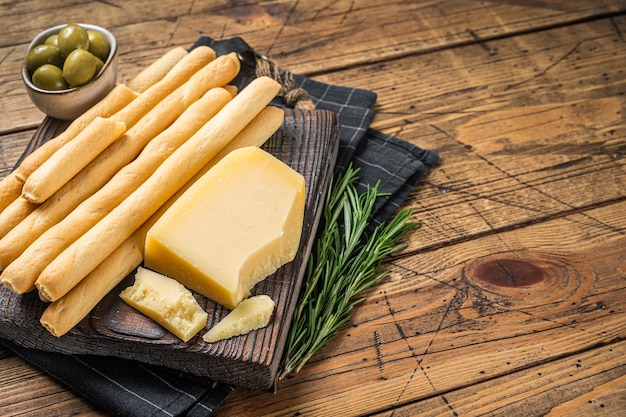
(113, 102)
(67, 161)
(13, 214)
(157, 70)
(186, 68)
(65, 313)
(10, 189)
(93, 177)
(24, 263)
(232, 89)
(84, 254)
(256, 133)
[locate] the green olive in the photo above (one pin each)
(79, 67)
(49, 77)
(52, 40)
(43, 54)
(98, 44)
(71, 37)
(99, 65)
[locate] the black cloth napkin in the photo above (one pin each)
(128, 388)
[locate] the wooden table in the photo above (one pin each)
(510, 300)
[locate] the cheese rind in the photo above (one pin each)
(235, 226)
(251, 314)
(167, 302)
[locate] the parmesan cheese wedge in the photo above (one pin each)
(167, 302)
(236, 225)
(251, 314)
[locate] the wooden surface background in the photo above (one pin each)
(510, 300)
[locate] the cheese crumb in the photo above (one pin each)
(251, 314)
(167, 302)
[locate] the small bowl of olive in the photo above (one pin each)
(68, 68)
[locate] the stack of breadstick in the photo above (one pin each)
(75, 213)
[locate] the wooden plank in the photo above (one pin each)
(376, 31)
(35, 15)
(437, 324)
(591, 383)
(366, 30)
(346, 34)
(531, 132)
(27, 391)
(605, 399)
(11, 148)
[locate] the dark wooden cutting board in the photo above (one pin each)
(308, 142)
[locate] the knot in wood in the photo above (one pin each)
(547, 283)
(510, 273)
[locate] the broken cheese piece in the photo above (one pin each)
(232, 228)
(167, 302)
(251, 314)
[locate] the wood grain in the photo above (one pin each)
(27, 392)
(605, 399)
(524, 100)
(531, 391)
(371, 32)
(525, 134)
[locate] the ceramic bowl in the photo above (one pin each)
(71, 103)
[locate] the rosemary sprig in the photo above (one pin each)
(343, 264)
